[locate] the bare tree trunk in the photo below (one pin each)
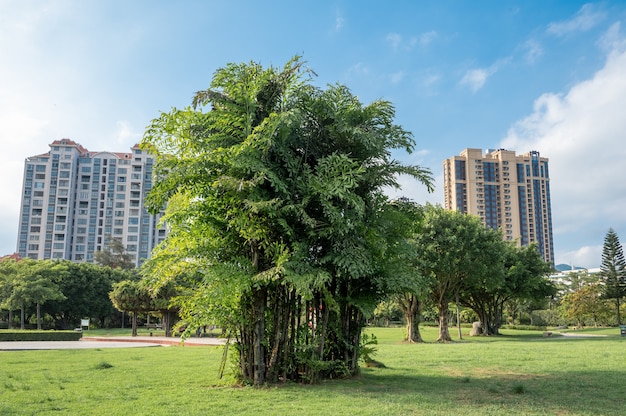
(22, 312)
(444, 333)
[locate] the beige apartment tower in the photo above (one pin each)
(507, 191)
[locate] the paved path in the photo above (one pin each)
(108, 342)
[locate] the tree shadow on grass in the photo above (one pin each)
(559, 392)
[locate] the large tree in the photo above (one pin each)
(523, 278)
(275, 203)
(86, 288)
(405, 281)
(456, 251)
(613, 270)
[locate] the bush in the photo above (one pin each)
(40, 336)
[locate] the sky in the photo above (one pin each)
(523, 75)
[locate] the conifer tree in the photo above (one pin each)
(613, 270)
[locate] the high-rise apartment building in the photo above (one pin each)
(74, 201)
(507, 191)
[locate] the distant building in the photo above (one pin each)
(74, 200)
(507, 191)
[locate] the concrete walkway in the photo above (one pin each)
(108, 342)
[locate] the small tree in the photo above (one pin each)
(131, 296)
(586, 303)
(613, 271)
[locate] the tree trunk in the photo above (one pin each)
(485, 323)
(10, 319)
(412, 309)
(458, 316)
(258, 299)
(167, 324)
(134, 324)
(619, 317)
(38, 316)
(22, 317)
(444, 333)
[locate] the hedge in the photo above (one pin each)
(525, 327)
(40, 336)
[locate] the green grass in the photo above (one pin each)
(520, 373)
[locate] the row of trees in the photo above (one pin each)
(64, 291)
(452, 258)
(577, 298)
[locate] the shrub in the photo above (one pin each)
(525, 327)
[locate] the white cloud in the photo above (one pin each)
(398, 42)
(534, 51)
(426, 38)
(394, 39)
(476, 78)
(613, 40)
(339, 22)
(586, 18)
(587, 257)
(431, 80)
(359, 69)
(125, 134)
(582, 133)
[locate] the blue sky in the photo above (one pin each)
(523, 75)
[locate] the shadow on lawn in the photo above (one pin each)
(589, 392)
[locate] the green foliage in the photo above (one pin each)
(587, 304)
(86, 289)
(66, 292)
(386, 312)
(131, 296)
(458, 253)
(29, 282)
(278, 221)
(523, 285)
(368, 347)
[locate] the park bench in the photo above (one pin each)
(153, 326)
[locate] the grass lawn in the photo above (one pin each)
(519, 373)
